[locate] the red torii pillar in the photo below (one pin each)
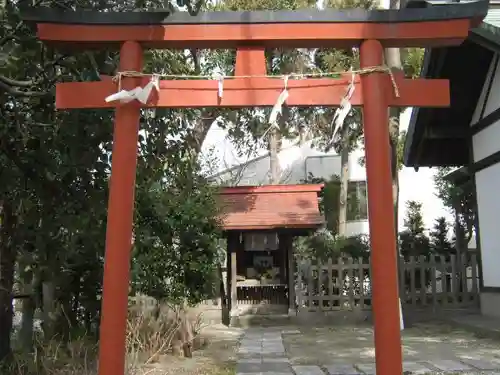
(374, 92)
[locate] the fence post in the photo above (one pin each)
(330, 300)
(423, 280)
(299, 289)
(361, 277)
(444, 280)
(454, 289)
(350, 268)
(310, 287)
(474, 274)
(403, 293)
(413, 286)
(433, 270)
(462, 271)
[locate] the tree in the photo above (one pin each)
(323, 244)
(55, 166)
(328, 60)
(409, 61)
(246, 127)
(413, 240)
(393, 61)
(175, 249)
(439, 237)
(460, 239)
(327, 242)
(349, 136)
(47, 158)
(328, 199)
(459, 197)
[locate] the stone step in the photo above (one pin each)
(250, 321)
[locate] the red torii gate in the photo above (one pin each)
(250, 33)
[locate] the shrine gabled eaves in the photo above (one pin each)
(270, 207)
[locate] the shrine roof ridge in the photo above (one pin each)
(273, 189)
(446, 11)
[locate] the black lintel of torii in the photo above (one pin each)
(414, 11)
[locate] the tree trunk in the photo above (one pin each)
(273, 157)
(201, 129)
(344, 181)
(394, 114)
(459, 246)
(393, 61)
(48, 300)
(8, 255)
(28, 308)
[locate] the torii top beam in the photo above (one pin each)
(251, 33)
(435, 26)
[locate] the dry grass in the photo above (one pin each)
(155, 338)
(55, 358)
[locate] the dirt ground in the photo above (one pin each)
(217, 357)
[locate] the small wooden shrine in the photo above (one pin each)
(260, 223)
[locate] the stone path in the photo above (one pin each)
(261, 352)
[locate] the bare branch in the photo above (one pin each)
(193, 11)
(16, 83)
(18, 93)
(11, 35)
(196, 61)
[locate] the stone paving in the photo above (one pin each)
(262, 352)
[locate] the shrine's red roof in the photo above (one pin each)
(271, 207)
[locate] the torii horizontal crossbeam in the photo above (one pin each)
(439, 25)
(294, 35)
(254, 92)
(474, 11)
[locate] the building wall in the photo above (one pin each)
(485, 145)
(296, 163)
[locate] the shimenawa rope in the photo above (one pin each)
(368, 70)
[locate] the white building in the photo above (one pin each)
(467, 135)
(298, 161)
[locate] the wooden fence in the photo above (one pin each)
(425, 282)
(276, 294)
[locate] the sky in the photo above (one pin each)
(419, 186)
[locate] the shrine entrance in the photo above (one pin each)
(376, 88)
(260, 223)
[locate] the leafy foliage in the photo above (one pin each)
(326, 242)
(412, 59)
(323, 244)
(55, 166)
(328, 199)
(413, 240)
(458, 196)
(175, 250)
(439, 241)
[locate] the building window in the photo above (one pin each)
(357, 202)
